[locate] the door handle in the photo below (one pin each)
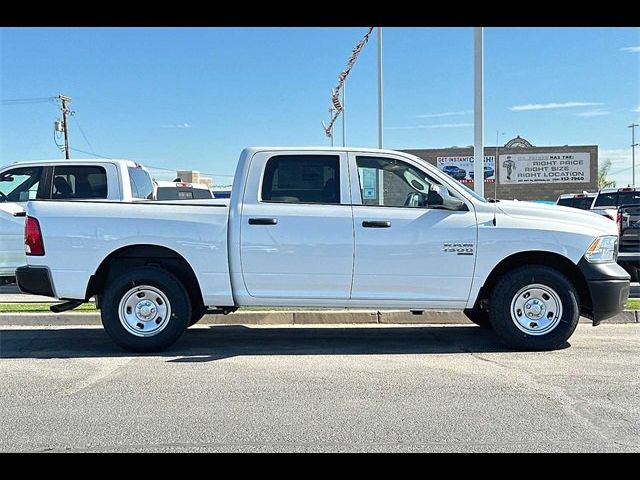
(376, 224)
(263, 221)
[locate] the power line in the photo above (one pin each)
(73, 114)
(25, 101)
(90, 153)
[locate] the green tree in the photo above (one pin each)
(603, 173)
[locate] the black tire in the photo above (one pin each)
(634, 272)
(504, 293)
(169, 286)
(479, 317)
(196, 315)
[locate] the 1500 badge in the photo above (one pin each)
(458, 248)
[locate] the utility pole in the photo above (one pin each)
(478, 110)
(380, 109)
(633, 153)
(64, 100)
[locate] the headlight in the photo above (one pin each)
(603, 250)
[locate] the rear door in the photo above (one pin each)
(297, 227)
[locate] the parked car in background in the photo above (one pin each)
(628, 220)
(488, 172)
(182, 191)
(454, 171)
(303, 230)
(609, 199)
(583, 201)
(117, 180)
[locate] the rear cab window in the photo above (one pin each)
(141, 183)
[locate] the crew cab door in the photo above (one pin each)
(296, 235)
(407, 247)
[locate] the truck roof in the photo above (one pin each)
(163, 184)
(323, 148)
(72, 161)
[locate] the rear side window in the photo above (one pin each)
(302, 179)
(141, 184)
(79, 182)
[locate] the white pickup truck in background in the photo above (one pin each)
(111, 180)
(328, 227)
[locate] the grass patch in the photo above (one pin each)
(633, 304)
(39, 307)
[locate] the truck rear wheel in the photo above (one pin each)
(534, 308)
(145, 310)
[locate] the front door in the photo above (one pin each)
(408, 248)
(297, 227)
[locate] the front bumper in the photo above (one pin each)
(608, 285)
(35, 280)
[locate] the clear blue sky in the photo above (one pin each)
(192, 98)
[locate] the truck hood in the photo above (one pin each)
(559, 218)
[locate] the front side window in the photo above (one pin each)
(20, 184)
(79, 182)
(302, 179)
(387, 182)
(141, 184)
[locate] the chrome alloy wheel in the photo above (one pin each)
(536, 309)
(144, 311)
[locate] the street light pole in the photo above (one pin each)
(380, 107)
(344, 113)
(331, 110)
(633, 153)
(478, 109)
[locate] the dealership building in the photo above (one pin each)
(522, 171)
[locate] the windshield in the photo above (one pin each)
(472, 193)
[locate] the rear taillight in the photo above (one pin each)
(33, 244)
(619, 221)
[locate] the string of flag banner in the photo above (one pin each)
(335, 93)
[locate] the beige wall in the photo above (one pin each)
(532, 191)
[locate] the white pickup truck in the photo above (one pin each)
(117, 180)
(325, 227)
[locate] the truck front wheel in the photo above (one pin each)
(145, 310)
(534, 308)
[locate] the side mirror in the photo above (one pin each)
(6, 178)
(445, 200)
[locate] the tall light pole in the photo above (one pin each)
(633, 153)
(380, 107)
(344, 114)
(331, 110)
(478, 110)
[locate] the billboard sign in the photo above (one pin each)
(545, 168)
(461, 168)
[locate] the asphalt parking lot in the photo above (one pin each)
(319, 388)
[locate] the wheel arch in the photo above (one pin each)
(544, 258)
(125, 258)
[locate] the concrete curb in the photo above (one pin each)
(283, 318)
